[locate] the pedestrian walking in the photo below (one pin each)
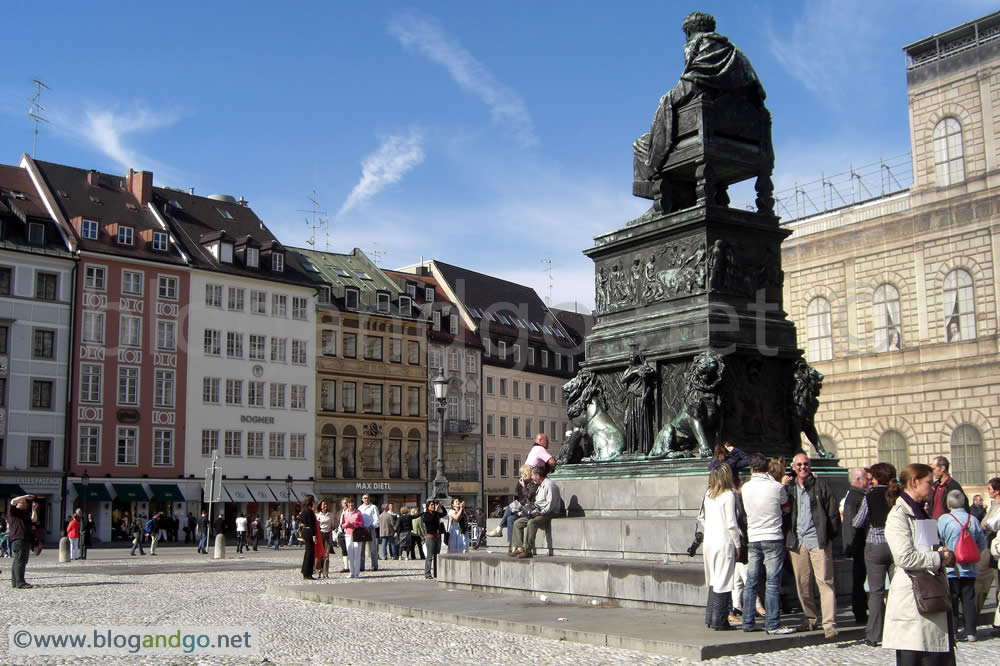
(203, 533)
(276, 532)
(73, 534)
(341, 537)
(137, 531)
(307, 525)
(241, 532)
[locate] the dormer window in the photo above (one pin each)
(278, 262)
(405, 304)
(382, 302)
(436, 319)
(226, 253)
(429, 294)
(161, 242)
(324, 295)
(253, 257)
(351, 299)
(125, 235)
(36, 233)
(411, 289)
(89, 229)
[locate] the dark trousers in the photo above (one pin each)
(878, 561)
(432, 546)
(717, 609)
(308, 557)
(963, 591)
(20, 550)
(859, 599)
(417, 545)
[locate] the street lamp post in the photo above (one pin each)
(83, 523)
(439, 487)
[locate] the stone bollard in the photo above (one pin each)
(220, 547)
(63, 550)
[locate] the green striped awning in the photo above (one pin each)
(11, 490)
(96, 492)
(166, 492)
(130, 492)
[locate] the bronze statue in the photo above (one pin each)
(699, 424)
(584, 397)
(639, 380)
(807, 383)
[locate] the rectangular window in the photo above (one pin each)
(515, 389)
(517, 464)
(279, 350)
(128, 386)
(234, 391)
(487, 345)
(453, 324)
(90, 382)
(253, 257)
(517, 353)
(38, 452)
(255, 445)
(531, 355)
(209, 442)
(503, 426)
(504, 469)
(552, 431)
(541, 393)
(132, 283)
(351, 299)
(545, 358)
(435, 359)
(491, 468)
(471, 362)
(395, 400)
(213, 295)
(233, 444)
(130, 331)
(559, 358)
(258, 347)
(502, 350)
(212, 342)
(436, 320)
(413, 401)
(503, 386)
(167, 288)
(236, 298)
(453, 361)
(324, 295)
(210, 390)
(41, 393)
(328, 395)
(297, 400)
(527, 429)
(4, 336)
(569, 363)
(258, 302)
(45, 286)
(299, 352)
(163, 447)
(277, 395)
(429, 294)
(329, 342)
(489, 385)
(395, 350)
(515, 427)
(125, 235)
(163, 388)
(277, 262)
(297, 445)
(234, 344)
(541, 426)
(166, 335)
(350, 345)
(453, 407)
(89, 229)
(43, 343)
(413, 352)
(88, 448)
(255, 393)
(405, 306)
(552, 394)
(161, 242)
(94, 278)
(276, 445)
(279, 305)
(128, 445)
(371, 399)
(373, 348)
(348, 391)
(300, 308)
(381, 302)
(489, 425)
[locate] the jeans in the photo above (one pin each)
(388, 547)
(432, 546)
(20, 549)
(203, 542)
(137, 543)
(241, 541)
(772, 554)
(507, 523)
(74, 548)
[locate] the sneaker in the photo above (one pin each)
(524, 554)
(25, 586)
(830, 632)
(514, 553)
(971, 638)
(495, 533)
(780, 631)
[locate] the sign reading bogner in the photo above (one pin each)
(250, 418)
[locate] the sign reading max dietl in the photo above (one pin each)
(252, 418)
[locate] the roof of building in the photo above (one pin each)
(577, 324)
(441, 302)
(20, 203)
(353, 269)
(106, 199)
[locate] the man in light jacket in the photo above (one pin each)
(547, 505)
(369, 512)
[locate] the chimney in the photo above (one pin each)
(191, 190)
(140, 184)
(93, 178)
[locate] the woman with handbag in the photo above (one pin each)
(721, 546)
(918, 622)
(871, 516)
(353, 523)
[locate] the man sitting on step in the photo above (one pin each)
(536, 516)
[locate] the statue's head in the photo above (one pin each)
(698, 22)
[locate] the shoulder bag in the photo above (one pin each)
(930, 591)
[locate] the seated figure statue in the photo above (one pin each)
(713, 68)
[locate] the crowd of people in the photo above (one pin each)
(917, 520)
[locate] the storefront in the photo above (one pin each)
(498, 496)
(399, 493)
(109, 500)
(48, 493)
(471, 492)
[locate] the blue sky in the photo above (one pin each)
(489, 135)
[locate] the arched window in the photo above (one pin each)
(892, 449)
(413, 464)
(949, 162)
(887, 325)
(347, 453)
(959, 306)
(967, 463)
(819, 329)
(328, 450)
(395, 453)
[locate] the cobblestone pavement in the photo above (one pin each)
(294, 631)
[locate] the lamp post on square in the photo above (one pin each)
(439, 486)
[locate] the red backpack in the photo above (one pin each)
(966, 550)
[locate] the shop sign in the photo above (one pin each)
(370, 487)
(251, 418)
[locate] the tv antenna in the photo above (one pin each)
(547, 262)
(35, 112)
(318, 221)
(377, 253)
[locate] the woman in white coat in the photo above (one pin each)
(924, 639)
(721, 546)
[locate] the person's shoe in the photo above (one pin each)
(524, 554)
(761, 612)
(780, 631)
(750, 628)
(497, 532)
(871, 643)
(735, 620)
(514, 553)
(724, 627)
(807, 626)
(738, 612)
(830, 632)
(25, 586)
(971, 638)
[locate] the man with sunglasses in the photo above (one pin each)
(815, 522)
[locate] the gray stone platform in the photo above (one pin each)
(673, 634)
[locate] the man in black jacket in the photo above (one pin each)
(815, 522)
(944, 483)
(307, 523)
(19, 533)
(434, 528)
(854, 541)
(203, 533)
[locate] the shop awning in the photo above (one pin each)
(280, 491)
(299, 491)
(96, 492)
(130, 492)
(166, 492)
(237, 492)
(260, 492)
(191, 491)
(11, 490)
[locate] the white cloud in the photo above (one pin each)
(429, 39)
(395, 156)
